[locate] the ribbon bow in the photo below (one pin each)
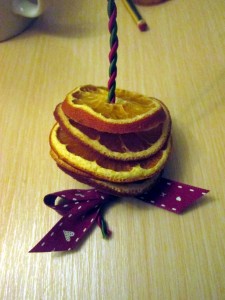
(82, 209)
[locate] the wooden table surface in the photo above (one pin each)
(153, 254)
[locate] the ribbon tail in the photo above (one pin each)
(173, 196)
(82, 209)
(67, 234)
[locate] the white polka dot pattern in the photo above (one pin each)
(81, 209)
(173, 196)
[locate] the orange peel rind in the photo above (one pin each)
(132, 112)
(118, 189)
(120, 148)
(96, 165)
(129, 146)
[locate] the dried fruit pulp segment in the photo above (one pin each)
(132, 112)
(92, 162)
(130, 146)
(118, 189)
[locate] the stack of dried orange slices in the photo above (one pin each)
(120, 148)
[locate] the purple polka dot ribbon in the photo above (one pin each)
(82, 209)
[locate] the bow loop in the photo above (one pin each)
(81, 209)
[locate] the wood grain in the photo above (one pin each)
(153, 254)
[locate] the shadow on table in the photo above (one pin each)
(75, 19)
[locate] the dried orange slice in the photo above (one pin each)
(129, 146)
(132, 112)
(81, 157)
(118, 189)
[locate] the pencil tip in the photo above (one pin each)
(142, 25)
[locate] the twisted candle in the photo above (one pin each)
(112, 25)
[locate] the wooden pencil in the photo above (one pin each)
(135, 14)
